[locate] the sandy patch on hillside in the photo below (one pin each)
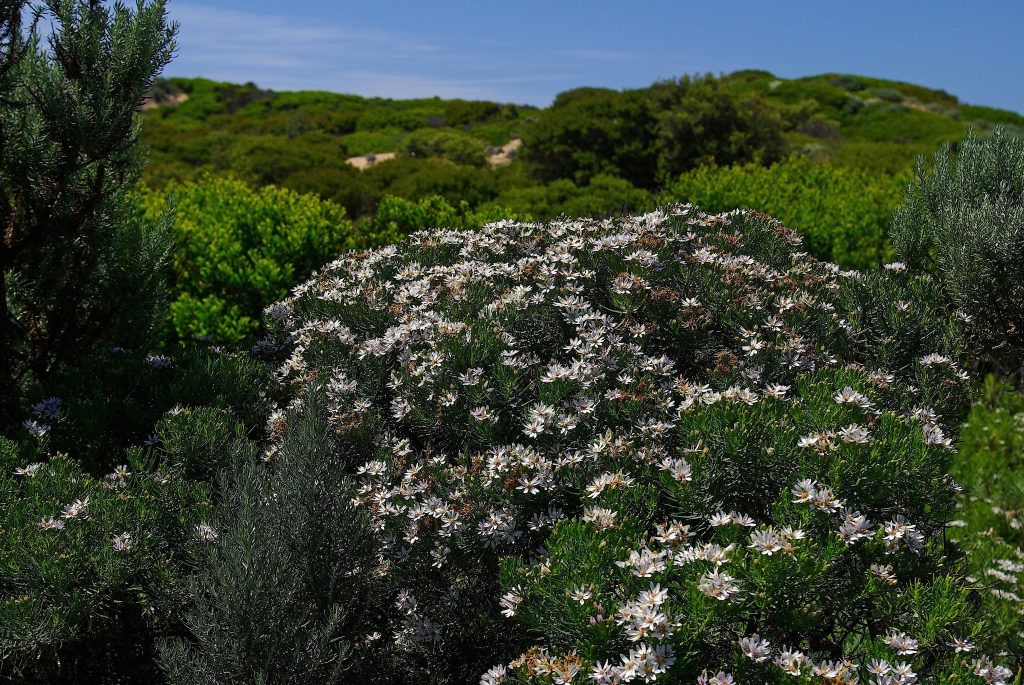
(502, 157)
(173, 100)
(506, 153)
(364, 162)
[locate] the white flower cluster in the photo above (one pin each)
(505, 372)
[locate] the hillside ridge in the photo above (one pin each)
(311, 141)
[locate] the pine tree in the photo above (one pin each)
(80, 270)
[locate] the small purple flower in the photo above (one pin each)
(122, 542)
(47, 409)
(51, 523)
(158, 361)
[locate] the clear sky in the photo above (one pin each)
(529, 50)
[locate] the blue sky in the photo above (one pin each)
(530, 50)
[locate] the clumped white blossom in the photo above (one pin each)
(637, 420)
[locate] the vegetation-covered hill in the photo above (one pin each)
(829, 156)
(635, 142)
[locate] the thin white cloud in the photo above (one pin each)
(285, 53)
(606, 55)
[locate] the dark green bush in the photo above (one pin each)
(454, 183)
(460, 113)
(603, 196)
(87, 591)
(591, 131)
(383, 117)
(397, 217)
(78, 270)
(700, 123)
(450, 146)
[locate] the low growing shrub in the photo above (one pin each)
(101, 493)
(671, 446)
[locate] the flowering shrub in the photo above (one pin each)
(105, 502)
(683, 448)
(92, 565)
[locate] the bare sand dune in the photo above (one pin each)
(363, 162)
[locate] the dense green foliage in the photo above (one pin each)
(649, 446)
(301, 140)
(397, 218)
(306, 628)
(842, 214)
(604, 195)
(77, 269)
(990, 519)
(103, 496)
(238, 249)
(964, 221)
(645, 136)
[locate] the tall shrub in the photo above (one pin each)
(964, 221)
(238, 249)
(79, 270)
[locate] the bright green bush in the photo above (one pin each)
(899, 123)
(362, 142)
(238, 249)
(879, 158)
(842, 214)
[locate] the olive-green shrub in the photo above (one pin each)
(397, 217)
(964, 222)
